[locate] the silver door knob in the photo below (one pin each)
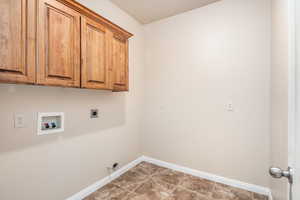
(276, 172)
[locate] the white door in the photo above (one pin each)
(296, 186)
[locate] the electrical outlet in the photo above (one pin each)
(229, 107)
(115, 166)
(19, 121)
(94, 113)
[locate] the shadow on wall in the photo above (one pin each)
(76, 103)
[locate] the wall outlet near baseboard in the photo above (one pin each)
(113, 168)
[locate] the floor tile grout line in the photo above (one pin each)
(178, 185)
(148, 171)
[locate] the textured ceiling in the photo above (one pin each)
(147, 11)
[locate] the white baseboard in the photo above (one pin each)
(94, 187)
(231, 182)
(212, 177)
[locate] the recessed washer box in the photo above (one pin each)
(49, 123)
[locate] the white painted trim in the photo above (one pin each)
(94, 187)
(292, 83)
(231, 182)
(211, 177)
(292, 93)
(294, 139)
(270, 195)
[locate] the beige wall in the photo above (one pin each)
(279, 88)
(196, 63)
(57, 166)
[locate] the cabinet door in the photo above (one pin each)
(58, 45)
(94, 52)
(120, 63)
(17, 41)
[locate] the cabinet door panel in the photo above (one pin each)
(17, 41)
(94, 39)
(58, 45)
(120, 63)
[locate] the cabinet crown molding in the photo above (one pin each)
(95, 16)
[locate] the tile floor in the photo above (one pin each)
(150, 182)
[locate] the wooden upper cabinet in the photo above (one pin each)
(120, 63)
(58, 44)
(61, 43)
(95, 73)
(17, 41)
